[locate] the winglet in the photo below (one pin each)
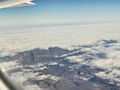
(30, 3)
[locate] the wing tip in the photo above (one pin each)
(30, 3)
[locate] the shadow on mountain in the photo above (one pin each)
(71, 75)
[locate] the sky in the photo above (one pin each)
(47, 12)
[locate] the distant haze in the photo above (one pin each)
(13, 41)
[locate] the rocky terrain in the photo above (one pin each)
(85, 67)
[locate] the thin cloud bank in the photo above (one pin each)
(55, 24)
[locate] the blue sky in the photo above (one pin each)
(61, 11)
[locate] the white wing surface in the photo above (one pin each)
(15, 3)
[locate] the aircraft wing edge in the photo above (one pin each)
(25, 4)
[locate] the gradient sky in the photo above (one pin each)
(61, 11)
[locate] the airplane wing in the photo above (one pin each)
(6, 83)
(15, 3)
(24, 4)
